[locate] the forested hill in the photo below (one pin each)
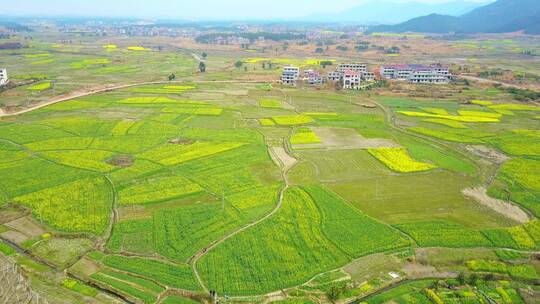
(502, 16)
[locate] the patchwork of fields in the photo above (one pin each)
(156, 188)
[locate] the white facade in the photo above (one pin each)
(351, 80)
(334, 76)
(290, 75)
(3, 76)
(355, 67)
(436, 74)
(368, 76)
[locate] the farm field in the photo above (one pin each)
(166, 189)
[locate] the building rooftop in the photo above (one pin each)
(414, 66)
(351, 73)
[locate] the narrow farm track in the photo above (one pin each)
(495, 82)
(201, 253)
(193, 261)
(390, 117)
(285, 168)
(113, 87)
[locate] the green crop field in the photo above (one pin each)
(146, 179)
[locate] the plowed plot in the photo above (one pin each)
(344, 139)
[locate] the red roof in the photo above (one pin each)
(351, 73)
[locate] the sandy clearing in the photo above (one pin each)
(488, 153)
(419, 271)
(345, 139)
(26, 225)
(509, 210)
(282, 158)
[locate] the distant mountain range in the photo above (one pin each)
(391, 12)
(502, 16)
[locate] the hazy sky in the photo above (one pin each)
(185, 9)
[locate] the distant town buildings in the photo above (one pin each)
(3, 76)
(417, 73)
(290, 75)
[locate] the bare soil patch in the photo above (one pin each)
(122, 161)
(85, 267)
(133, 212)
(505, 208)
(282, 158)
(27, 225)
(345, 139)
(14, 237)
(181, 141)
(488, 153)
(419, 271)
(11, 213)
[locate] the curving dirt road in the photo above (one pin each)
(112, 87)
(194, 259)
(489, 81)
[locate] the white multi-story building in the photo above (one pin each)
(355, 67)
(368, 76)
(3, 76)
(417, 73)
(351, 80)
(290, 75)
(334, 76)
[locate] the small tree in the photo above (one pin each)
(473, 279)
(238, 64)
(325, 63)
(334, 293)
(204, 55)
(172, 77)
(319, 50)
(202, 67)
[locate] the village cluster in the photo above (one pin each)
(356, 76)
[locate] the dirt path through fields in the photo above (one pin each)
(111, 87)
(281, 158)
(507, 209)
(286, 165)
(489, 81)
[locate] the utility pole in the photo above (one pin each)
(223, 200)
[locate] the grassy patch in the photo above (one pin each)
(270, 103)
(292, 120)
(40, 86)
(304, 136)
